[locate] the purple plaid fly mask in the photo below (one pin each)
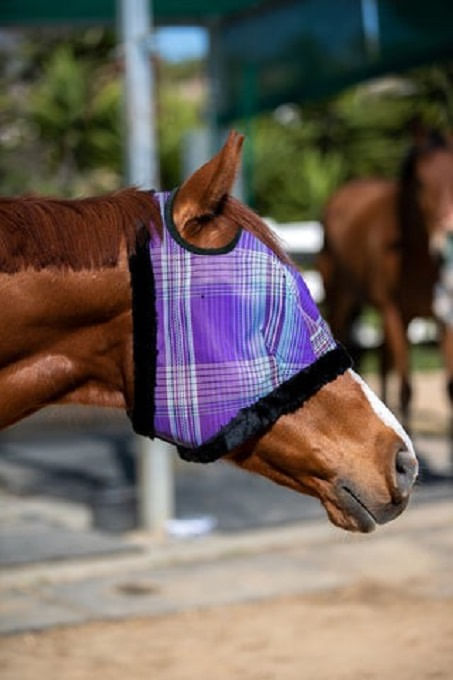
(232, 340)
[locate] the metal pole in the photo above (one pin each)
(248, 105)
(155, 483)
(136, 34)
(215, 103)
(371, 30)
(215, 77)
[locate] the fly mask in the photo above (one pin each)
(225, 341)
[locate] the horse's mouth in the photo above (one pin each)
(357, 509)
(348, 511)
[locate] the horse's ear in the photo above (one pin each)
(202, 193)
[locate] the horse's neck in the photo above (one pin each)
(419, 270)
(66, 338)
(414, 233)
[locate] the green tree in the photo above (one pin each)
(363, 131)
(61, 127)
(181, 99)
(61, 124)
(76, 115)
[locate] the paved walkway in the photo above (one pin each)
(46, 517)
(416, 549)
(55, 569)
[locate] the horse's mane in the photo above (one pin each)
(75, 234)
(434, 141)
(88, 233)
(250, 221)
(411, 219)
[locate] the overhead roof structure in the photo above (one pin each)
(30, 12)
(297, 50)
(268, 52)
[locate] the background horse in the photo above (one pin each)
(66, 337)
(382, 245)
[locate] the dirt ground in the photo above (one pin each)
(371, 630)
(363, 632)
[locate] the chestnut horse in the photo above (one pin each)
(383, 240)
(66, 338)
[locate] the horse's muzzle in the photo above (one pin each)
(361, 510)
(364, 513)
(406, 471)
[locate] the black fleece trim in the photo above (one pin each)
(286, 398)
(144, 334)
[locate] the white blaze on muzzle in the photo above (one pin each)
(384, 413)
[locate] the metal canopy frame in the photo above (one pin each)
(32, 13)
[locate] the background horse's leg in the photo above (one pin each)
(396, 338)
(384, 367)
(343, 305)
(447, 350)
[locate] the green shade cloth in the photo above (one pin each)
(276, 52)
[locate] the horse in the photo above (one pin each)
(383, 245)
(68, 336)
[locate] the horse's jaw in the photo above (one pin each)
(343, 447)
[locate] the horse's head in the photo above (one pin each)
(342, 445)
(429, 173)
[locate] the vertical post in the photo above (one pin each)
(248, 106)
(136, 34)
(215, 77)
(155, 482)
(370, 21)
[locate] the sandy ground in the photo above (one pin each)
(373, 629)
(363, 632)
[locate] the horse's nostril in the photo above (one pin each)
(406, 470)
(400, 466)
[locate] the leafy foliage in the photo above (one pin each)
(292, 177)
(361, 132)
(61, 125)
(60, 118)
(180, 102)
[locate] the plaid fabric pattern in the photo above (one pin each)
(231, 327)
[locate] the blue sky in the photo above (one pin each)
(181, 42)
